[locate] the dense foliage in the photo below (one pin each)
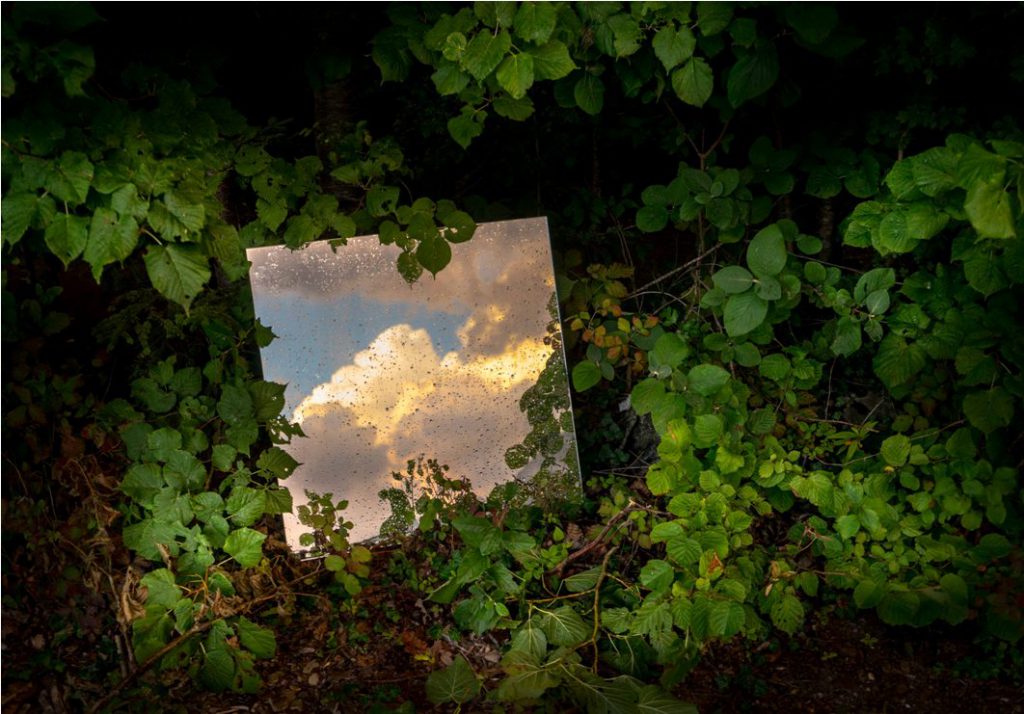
(791, 234)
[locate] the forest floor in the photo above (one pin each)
(373, 654)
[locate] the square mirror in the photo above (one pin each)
(461, 375)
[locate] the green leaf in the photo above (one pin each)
(218, 671)
(515, 74)
(775, 367)
(673, 46)
(184, 472)
(897, 361)
(813, 22)
(258, 640)
(694, 82)
(144, 537)
(564, 627)
(762, 421)
(434, 254)
(744, 313)
(787, 614)
(589, 94)
(484, 52)
(66, 237)
(726, 618)
(581, 582)
(652, 699)
(989, 410)
(267, 399)
(766, 254)
(670, 350)
(162, 589)
(868, 593)
(657, 575)
(651, 219)
(683, 549)
(278, 500)
(235, 404)
(460, 225)
(191, 216)
(223, 457)
(277, 462)
(753, 74)
(245, 505)
(983, 272)
(16, 214)
(733, 279)
(706, 379)
(707, 428)
(988, 209)
(847, 526)
(898, 608)
(514, 109)
(449, 79)
(163, 441)
(585, 375)
(713, 17)
(142, 482)
(178, 272)
(626, 34)
(552, 61)
(466, 127)
(848, 337)
(535, 21)
(246, 546)
(70, 178)
(896, 450)
(381, 200)
(455, 683)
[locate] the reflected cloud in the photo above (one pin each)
(446, 384)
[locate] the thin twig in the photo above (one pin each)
(576, 555)
(675, 271)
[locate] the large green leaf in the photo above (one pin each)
(484, 52)
(726, 617)
(16, 214)
(766, 254)
(434, 254)
(989, 211)
(744, 313)
(178, 272)
(673, 46)
(70, 178)
(585, 375)
(535, 21)
(66, 236)
(896, 450)
(455, 683)
(246, 546)
(733, 279)
(258, 640)
(564, 627)
(694, 81)
(787, 613)
(897, 360)
(989, 410)
(589, 93)
(515, 74)
(706, 379)
(753, 74)
(552, 61)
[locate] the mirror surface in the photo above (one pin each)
(465, 369)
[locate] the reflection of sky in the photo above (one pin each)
(329, 328)
(380, 372)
